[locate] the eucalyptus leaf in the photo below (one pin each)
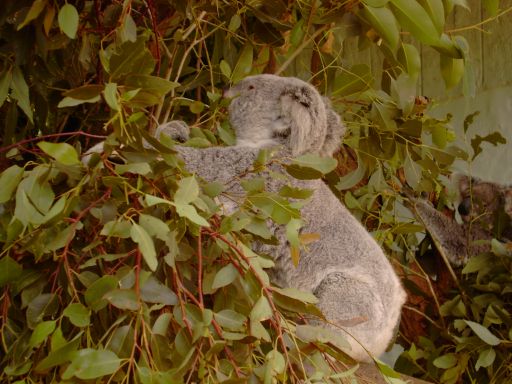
(146, 245)
(68, 20)
(87, 364)
(62, 152)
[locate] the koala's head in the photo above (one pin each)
(269, 110)
(488, 204)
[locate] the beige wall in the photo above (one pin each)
(491, 51)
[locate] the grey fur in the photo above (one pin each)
(479, 204)
(357, 288)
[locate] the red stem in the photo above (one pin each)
(54, 135)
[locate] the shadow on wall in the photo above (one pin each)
(495, 106)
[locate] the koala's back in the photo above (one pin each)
(345, 267)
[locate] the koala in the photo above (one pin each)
(485, 209)
(358, 291)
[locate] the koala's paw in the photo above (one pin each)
(176, 129)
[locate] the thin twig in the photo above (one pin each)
(300, 48)
(51, 136)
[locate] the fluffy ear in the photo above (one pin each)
(176, 129)
(507, 196)
(462, 182)
(303, 107)
(335, 130)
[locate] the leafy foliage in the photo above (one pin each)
(125, 270)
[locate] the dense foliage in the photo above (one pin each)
(124, 271)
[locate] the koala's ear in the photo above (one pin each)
(303, 107)
(335, 130)
(176, 129)
(507, 195)
(462, 182)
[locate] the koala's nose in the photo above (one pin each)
(464, 207)
(225, 92)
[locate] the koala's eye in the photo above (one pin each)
(250, 87)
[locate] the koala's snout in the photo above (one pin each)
(464, 207)
(229, 93)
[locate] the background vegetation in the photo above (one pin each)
(125, 272)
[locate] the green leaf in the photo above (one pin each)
(152, 291)
(225, 69)
(62, 152)
(409, 58)
(261, 310)
(5, 82)
(235, 22)
(254, 184)
(10, 270)
(116, 228)
(412, 172)
(384, 22)
(78, 314)
(296, 294)
(95, 292)
(146, 245)
(355, 80)
(435, 10)
(135, 168)
(213, 189)
(122, 341)
(189, 211)
(128, 29)
(485, 358)
(353, 178)
(230, 319)
(151, 200)
(292, 235)
(188, 191)
(129, 58)
(440, 135)
(416, 20)
(483, 333)
(87, 364)
(9, 180)
(44, 304)
(68, 20)
(41, 333)
(225, 276)
(276, 207)
(275, 362)
(110, 95)
(34, 11)
(452, 70)
(243, 66)
(123, 299)
(20, 92)
(196, 107)
(59, 355)
(318, 163)
(491, 6)
(70, 102)
(154, 226)
(295, 193)
(446, 361)
(154, 84)
(310, 333)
